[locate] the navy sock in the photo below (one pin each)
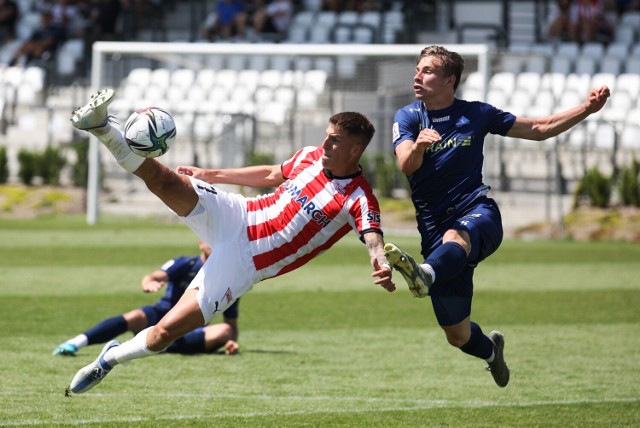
(478, 345)
(190, 343)
(448, 260)
(106, 330)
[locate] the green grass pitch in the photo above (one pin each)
(321, 346)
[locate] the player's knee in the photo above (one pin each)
(457, 340)
(217, 335)
(460, 237)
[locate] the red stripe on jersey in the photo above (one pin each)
(308, 257)
(307, 214)
(332, 209)
(268, 226)
(289, 211)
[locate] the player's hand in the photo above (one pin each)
(427, 137)
(192, 171)
(597, 98)
(231, 347)
(383, 273)
(152, 286)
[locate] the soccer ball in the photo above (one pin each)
(150, 132)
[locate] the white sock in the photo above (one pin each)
(427, 268)
(130, 350)
(113, 139)
(80, 341)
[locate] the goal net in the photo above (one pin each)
(235, 104)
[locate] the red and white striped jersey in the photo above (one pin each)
(307, 214)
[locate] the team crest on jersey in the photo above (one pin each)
(338, 188)
(462, 122)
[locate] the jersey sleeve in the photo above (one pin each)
(406, 126)
(500, 121)
(365, 213)
(290, 164)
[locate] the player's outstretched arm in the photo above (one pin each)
(252, 176)
(550, 126)
(379, 262)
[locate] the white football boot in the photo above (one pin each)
(91, 375)
(94, 114)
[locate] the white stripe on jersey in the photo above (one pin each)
(275, 226)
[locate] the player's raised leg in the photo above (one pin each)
(173, 189)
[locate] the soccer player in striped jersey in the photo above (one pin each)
(174, 277)
(438, 141)
(320, 196)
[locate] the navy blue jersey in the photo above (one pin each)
(181, 272)
(450, 177)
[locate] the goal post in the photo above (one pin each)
(373, 79)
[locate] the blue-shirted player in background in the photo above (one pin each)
(176, 275)
(438, 141)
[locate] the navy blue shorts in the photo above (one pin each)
(451, 299)
(156, 311)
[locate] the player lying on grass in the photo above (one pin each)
(439, 141)
(175, 275)
(321, 194)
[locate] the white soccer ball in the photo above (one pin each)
(150, 132)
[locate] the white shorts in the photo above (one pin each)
(219, 219)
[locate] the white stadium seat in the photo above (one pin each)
(529, 82)
(611, 64)
(608, 79)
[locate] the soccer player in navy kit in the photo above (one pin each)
(438, 141)
(175, 275)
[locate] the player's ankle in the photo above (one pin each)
(103, 130)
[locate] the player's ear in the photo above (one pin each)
(358, 148)
(451, 80)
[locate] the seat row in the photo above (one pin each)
(345, 27)
(573, 58)
(534, 94)
(268, 94)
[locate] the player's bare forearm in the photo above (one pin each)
(253, 176)
(379, 262)
(539, 129)
(411, 153)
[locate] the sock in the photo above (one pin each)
(190, 343)
(446, 261)
(478, 345)
(130, 350)
(113, 139)
(80, 341)
(106, 330)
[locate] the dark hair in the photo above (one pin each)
(451, 62)
(355, 124)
